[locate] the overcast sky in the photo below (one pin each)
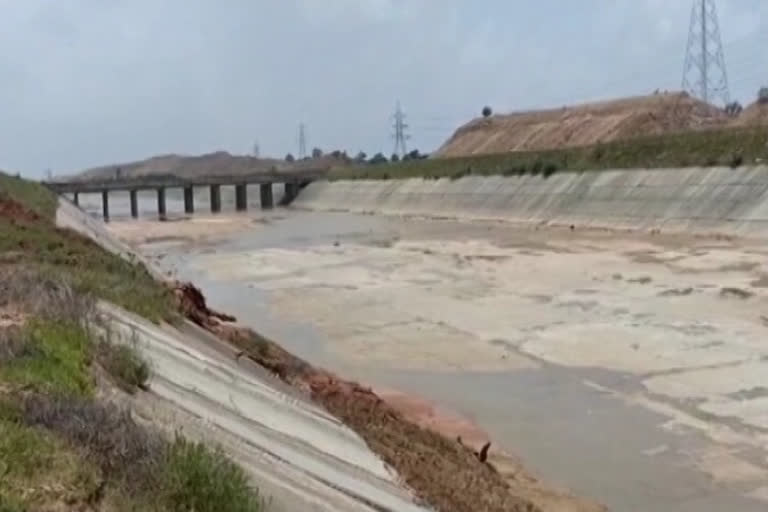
(90, 82)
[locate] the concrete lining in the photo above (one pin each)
(694, 200)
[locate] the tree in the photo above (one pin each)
(734, 108)
(762, 95)
(487, 112)
(289, 158)
(361, 156)
(395, 158)
(317, 153)
(377, 159)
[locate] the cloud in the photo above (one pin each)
(87, 82)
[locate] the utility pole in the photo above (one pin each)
(400, 135)
(302, 141)
(256, 149)
(704, 72)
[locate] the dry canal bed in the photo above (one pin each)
(629, 368)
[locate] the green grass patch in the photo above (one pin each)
(728, 147)
(54, 357)
(204, 480)
(10, 502)
(35, 466)
(32, 195)
(23, 451)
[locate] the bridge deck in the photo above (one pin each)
(167, 181)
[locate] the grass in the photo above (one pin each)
(59, 444)
(141, 464)
(726, 147)
(197, 478)
(87, 267)
(125, 365)
(32, 195)
(36, 467)
(51, 357)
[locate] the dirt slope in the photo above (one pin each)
(583, 124)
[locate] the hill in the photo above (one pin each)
(219, 162)
(583, 125)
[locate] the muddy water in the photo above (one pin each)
(444, 310)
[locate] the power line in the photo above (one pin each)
(302, 141)
(704, 73)
(400, 136)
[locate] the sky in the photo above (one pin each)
(92, 82)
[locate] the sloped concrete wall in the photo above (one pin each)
(700, 200)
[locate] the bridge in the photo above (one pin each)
(293, 181)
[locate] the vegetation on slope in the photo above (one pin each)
(61, 445)
(727, 147)
(28, 235)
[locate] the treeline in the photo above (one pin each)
(362, 158)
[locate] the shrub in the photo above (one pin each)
(537, 167)
(736, 160)
(733, 108)
(203, 480)
(110, 437)
(487, 112)
(549, 169)
(125, 365)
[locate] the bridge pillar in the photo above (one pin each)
(291, 191)
(265, 190)
(241, 197)
(134, 204)
(105, 204)
(189, 200)
(76, 198)
(215, 198)
(161, 203)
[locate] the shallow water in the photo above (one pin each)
(443, 309)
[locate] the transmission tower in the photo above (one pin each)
(302, 141)
(400, 136)
(704, 74)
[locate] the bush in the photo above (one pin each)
(125, 365)
(537, 168)
(736, 160)
(549, 169)
(733, 108)
(177, 476)
(377, 159)
(203, 480)
(487, 112)
(109, 436)
(460, 173)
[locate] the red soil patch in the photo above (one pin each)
(16, 212)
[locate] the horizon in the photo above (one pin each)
(89, 84)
